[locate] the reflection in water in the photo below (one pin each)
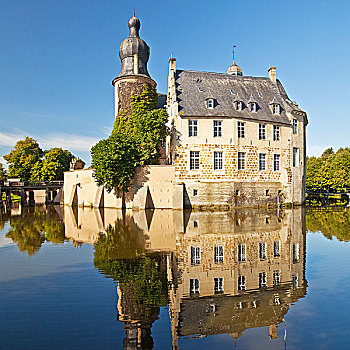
(142, 288)
(32, 226)
(330, 222)
(220, 273)
(225, 272)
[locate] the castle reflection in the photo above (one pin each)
(220, 273)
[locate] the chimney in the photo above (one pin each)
(272, 74)
(172, 64)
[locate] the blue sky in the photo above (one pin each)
(58, 59)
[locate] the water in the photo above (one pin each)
(108, 279)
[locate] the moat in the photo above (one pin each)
(74, 278)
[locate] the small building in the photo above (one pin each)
(235, 140)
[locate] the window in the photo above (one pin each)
(238, 193)
(262, 132)
(239, 105)
(295, 252)
(218, 164)
(262, 279)
(232, 91)
(195, 192)
(262, 161)
(241, 252)
(219, 254)
(219, 285)
(217, 128)
(194, 286)
(276, 278)
(276, 162)
(192, 128)
(241, 282)
(276, 249)
(295, 127)
(195, 255)
(240, 130)
(194, 160)
(295, 156)
(195, 223)
(276, 133)
(276, 108)
(295, 281)
(262, 250)
(210, 103)
(241, 160)
(253, 107)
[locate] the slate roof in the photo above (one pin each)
(162, 100)
(193, 88)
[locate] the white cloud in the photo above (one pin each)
(10, 139)
(72, 142)
(68, 141)
(316, 150)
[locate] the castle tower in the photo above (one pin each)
(134, 54)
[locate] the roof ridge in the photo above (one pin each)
(222, 74)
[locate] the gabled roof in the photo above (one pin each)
(219, 86)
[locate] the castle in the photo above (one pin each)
(235, 140)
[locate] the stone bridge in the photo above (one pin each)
(26, 190)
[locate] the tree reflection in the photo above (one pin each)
(120, 255)
(35, 226)
(330, 223)
(142, 281)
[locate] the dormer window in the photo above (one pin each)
(276, 108)
(253, 107)
(239, 105)
(210, 103)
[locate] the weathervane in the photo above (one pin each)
(233, 51)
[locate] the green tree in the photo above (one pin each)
(114, 161)
(23, 158)
(147, 124)
(2, 173)
(56, 161)
(330, 171)
(341, 168)
(135, 140)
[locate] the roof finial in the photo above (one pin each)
(234, 69)
(134, 7)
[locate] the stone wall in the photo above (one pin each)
(126, 87)
(152, 186)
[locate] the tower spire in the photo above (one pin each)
(234, 69)
(233, 53)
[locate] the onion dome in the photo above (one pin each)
(133, 52)
(234, 69)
